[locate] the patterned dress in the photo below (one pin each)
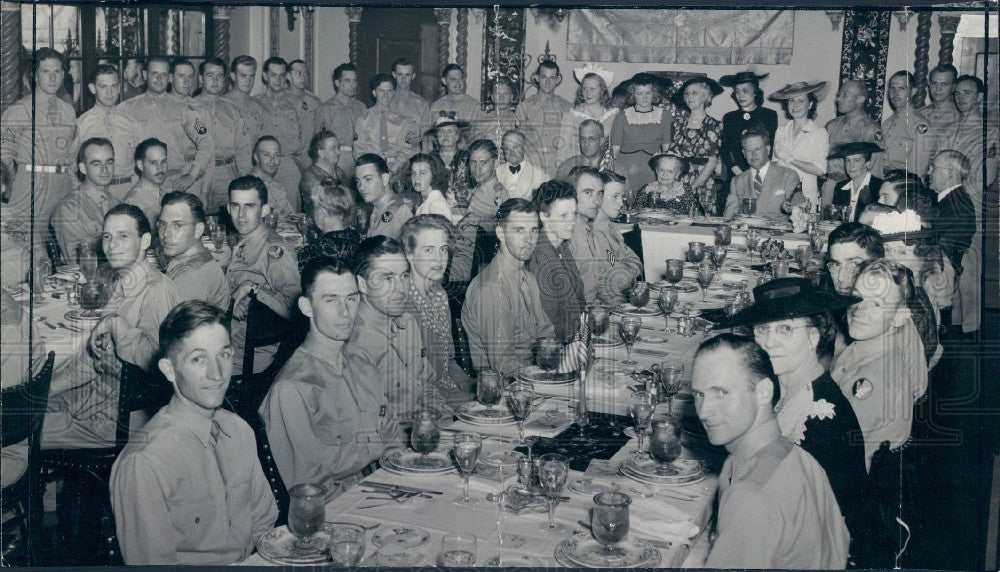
(701, 142)
(676, 198)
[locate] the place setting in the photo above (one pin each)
(606, 542)
(637, 296)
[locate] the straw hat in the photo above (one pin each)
(445, 121)
(798, 88)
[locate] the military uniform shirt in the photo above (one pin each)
(226, 122)
(395, 148)
(123, 133)
(80, 218)
(199, 277)
(147, 197)
(277, 195)
(906, 142)
(309, 104)
(178, 122)
(250, 127)
(607, 266)
(544, 113)
(410, 105)
(941, 120)
(841, 130)
(388, 216)
(483, 205)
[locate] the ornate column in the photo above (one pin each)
(948, 25)
(462, 38)
(309, 31)
(173, 32)
(443, 16)
(10, 61)
(221, 16)
(274, 30)
(354, 21)
(920, 59)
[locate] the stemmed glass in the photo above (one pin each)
(628, 329)
(306, 513)
(719, 256)
(425, 436)
(609, 521)
(466, 450)
(642, 412)
(552, 476)
(706, 273)
(696, 251)
(519, 400)
(675, 271)
(218, 238)
(753, 237)
(599, 319)
(665, 444)
(667, 301)
(671, 380)
(489, 392)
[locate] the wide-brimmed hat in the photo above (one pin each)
(854, 148)
(678, 97)
(580, 73)
(798, 88)
(684, 161)
(445, 121)
(787, 298)
(736, 79)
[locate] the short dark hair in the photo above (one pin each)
(92, 142)
(249, 183)
(274, 60)
(980, 87)
(338, 72)
(141, 222)
(449, 68)
(178, 62)
(863, 235)
(944, 68)
(910, 80)
(192, 201)
(548, 64)
(381, 78)
(317, 142)
(581, 170)
(756, 131)
(146, 145)
(103, 69)
(827, 334)
(511, 206)
(262, 139)
(612, 177)
(293, 62)
(401, 62)
(484, 144)
(372, 159)
(370, 249)
(47, 53)
(758, 93)
(213, 61)
(243, 60)
(550, 192)
(185, 318)
(408, 234)
(754, 360)
(316, 267)
(813, 104)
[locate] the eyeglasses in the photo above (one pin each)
(851, 266)
(783, 331)
(175, 226)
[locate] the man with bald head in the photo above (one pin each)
(853, 125)
(591, 139)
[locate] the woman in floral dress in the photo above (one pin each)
(668, 191)
(698, 134)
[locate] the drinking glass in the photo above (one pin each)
(547, 354)
(671, 380)
(675, 270)
(753, 238)
(306, 513)
(489, 392)
(466, 450)
(723, 235)
(642, 412)
(425, 436)
(803, 254)
(696, 251)
(211, 223)
(218, 238)
(552, 476)
(706, 273)
(719, 256)
(732, 305)
(748, 206)
(519, 400)
(599, 319)
(347, 545)
(817, 240)
(667, 301)
(638, 294)
(665, 444)
(628, 329)
(91, 296)
(779, 269)
(458, 550)
(88, 261)
(609, 521)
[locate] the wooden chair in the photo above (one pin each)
(23, 413)
(633, 240)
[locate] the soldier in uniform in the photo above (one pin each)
(404, 101)
(105, 120)
(905, 132)
(486, 197)
(243, 73)
(324, 150)
(853, 125)
(134, 82)
(177, 121)
(341, 112)
(227, 123)
(298, 79)
(966, 137)
(383, 131)
(942, 113)
(182, 85)
(40, 162)
(189, 264)
(389, 211)
(79, 217)
(263, 262)
(151, 164)
(267, 161)
(182, 78)
(455, 104)
(284, 118)
(544, 111)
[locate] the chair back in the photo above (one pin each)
(264, 328)
(269, 467)
(633, 240)
(138, 390)
(23, 407)
(487, 245)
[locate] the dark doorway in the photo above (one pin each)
(386, 34)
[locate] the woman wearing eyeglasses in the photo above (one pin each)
(791, 322)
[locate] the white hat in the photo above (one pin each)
(580, 73)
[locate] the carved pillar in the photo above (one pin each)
(920, 59)
(221, 16)
(173, 32)
(354, 21)
(443, 16)
(274, 30)
(948, 25)
(462, 38)
(309, 31)
(10, 60)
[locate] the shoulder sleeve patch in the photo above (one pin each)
(992, 152)
(862, 388)
(275, 251)
(200, 127)
(922, 128)
(387, 217)
(879, 136)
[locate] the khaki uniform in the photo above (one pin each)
(123, 133)
(147, 197)
(411, 106)
(841, 130)
(264, 258)
(906, 141)
(251, 128)
(544, 113)
(339, 114)
(485, 200)
(941, 120)
(394, 147)
(284, 118)
(227, 127)
(277, 195)
(310, 108)
(199, 277)
(80, 218)
(388, 216)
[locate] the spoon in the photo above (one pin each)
(643, 494)
(366, 528)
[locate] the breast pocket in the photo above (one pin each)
(335, 433)
(193, 517)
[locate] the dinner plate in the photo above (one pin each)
(606, 342)
(478, 414)
(81, 315)
(631, 434)
(592, 486)
(645, 468)
(278, 546)
(684, 287)
(401, 537)
(393, 557)
(630, 310)
(501, 458)
(514, 560)
(582, 549)
(410, 461)
(535, 374)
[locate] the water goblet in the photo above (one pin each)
(347, 545)
(519, 401)
(642, 413)
(719, 256)
(817, 240)
(92, 297)
(732, 305)
(696, 251)
(638, 294)
(667, 301)
(753, 238)
(218, 238)
(672, 380)
(552, 474)
(779, 268)
(424, 436)
(547, 353)
(803, 254)
(609, 521)
(748, 206)
(458, 550)
(306, 513)
(87, 261)
(628, 329)
(489, 392)
(466, 450)
(665, 443)
(599, 319)
(675, 270)
(706, 273)
(723, 235)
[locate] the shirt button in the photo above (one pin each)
(229, 523)
(197, 519)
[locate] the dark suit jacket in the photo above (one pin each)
(842, 195)
(955, 225)
(780, 183)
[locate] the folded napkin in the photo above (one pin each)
(660, 520)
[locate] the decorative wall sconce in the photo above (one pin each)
(291, 11)
(550, 16)
(835, 18)
(903, 18)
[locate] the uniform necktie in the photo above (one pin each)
(216, 432)
(383, 133)
(758, 183)
(590, 242)
(52, 111)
